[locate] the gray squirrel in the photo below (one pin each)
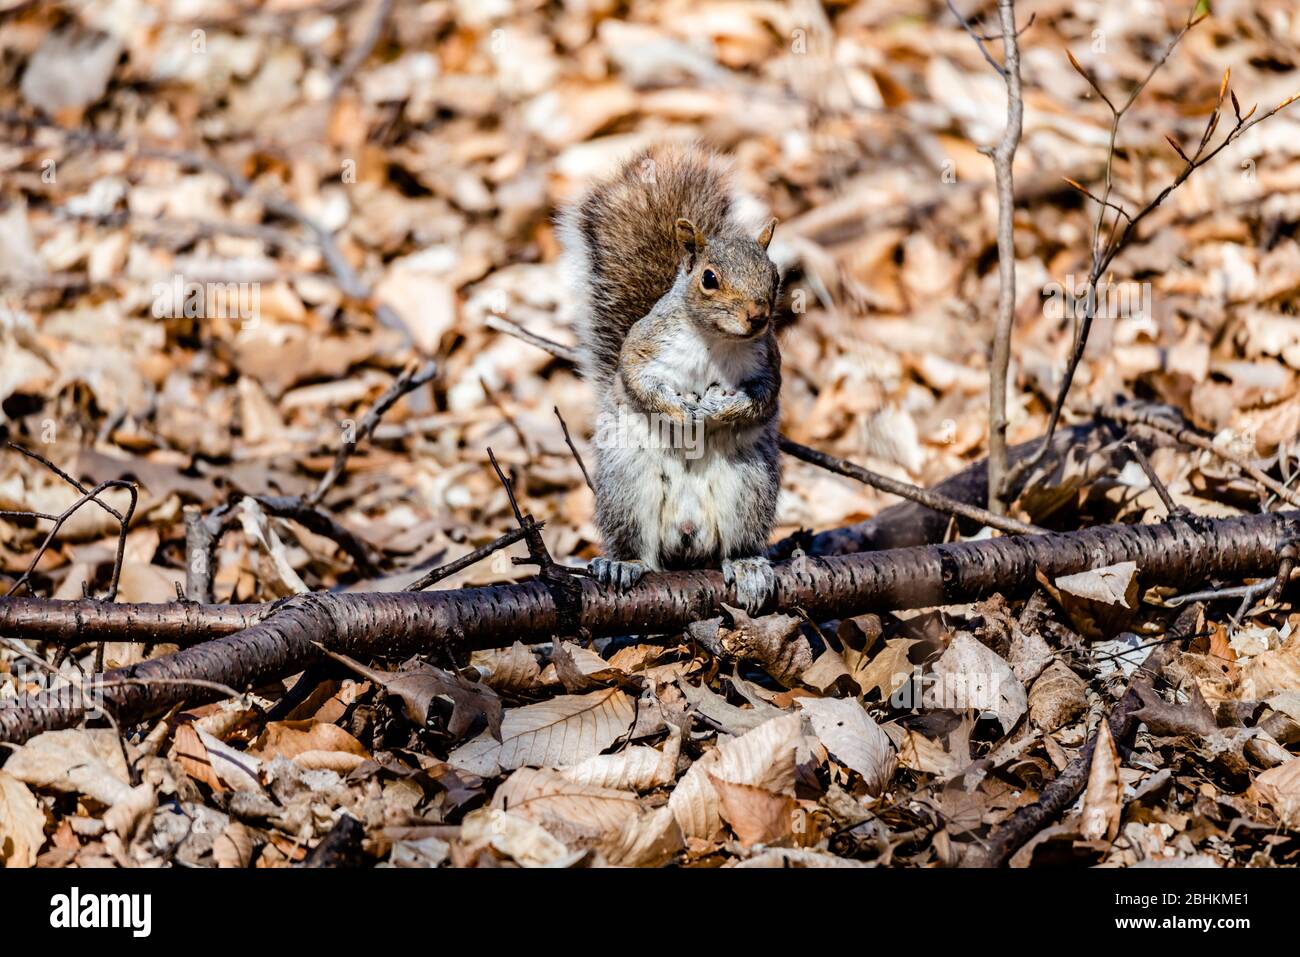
(675, 298)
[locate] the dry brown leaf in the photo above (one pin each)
(772, 642)
(1100, 601)
(563, 731)
(417, 684)
(524, 841)
(89, 762)
(1271, 672)
(729, 717)
(754, 814)
(635, 768)
(188, 751)
(931, 756)
(1109, 585)
(509, 670)
(22, 823)
(233, 846)
(853, 739)
(970, 675)
(763, 757)
(1103, 799)
(1057, 697)
(888, 671)
(1280, 788)
(581, 669)
(584, 815)
(291, 738)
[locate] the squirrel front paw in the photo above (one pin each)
(622, 575)
(718, 399)
(754, 580)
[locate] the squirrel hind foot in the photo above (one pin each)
(753, 579)
(621, 575)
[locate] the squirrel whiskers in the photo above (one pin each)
(675, 334)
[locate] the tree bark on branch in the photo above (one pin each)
(903, 525)
(1179, 552)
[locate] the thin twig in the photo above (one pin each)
(512, 328)
(1147, 419)
(574, 449)
(510, 419)
(89, 496)
(410, 380)
(1171, 507)
(1003, 156)
(908, 491)
(979, 38)
(358, 54)
(1105, 251)
(465, 561)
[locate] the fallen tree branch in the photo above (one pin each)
(903, 525)
(72, 623)
(1021, 827)
(1177, 553)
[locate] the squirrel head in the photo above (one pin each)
(731, 285)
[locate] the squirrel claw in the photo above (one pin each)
(754, 580)
(622, 575)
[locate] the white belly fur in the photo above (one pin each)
(695, 480)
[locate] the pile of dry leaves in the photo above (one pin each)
(225, 233)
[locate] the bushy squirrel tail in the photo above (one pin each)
(620, 242)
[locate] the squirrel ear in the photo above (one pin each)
(690, 238)
(764, 238)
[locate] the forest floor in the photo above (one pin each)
(225, 233)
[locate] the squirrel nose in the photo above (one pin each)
(757, 315)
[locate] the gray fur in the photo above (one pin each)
(675, 333)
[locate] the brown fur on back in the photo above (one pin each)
(627, 225)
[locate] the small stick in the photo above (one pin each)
(1104, 253)
(357, 56)
(510, 419)
(538, 554)
(1021, 827)
(408, 381)
(451, 568)
(512, 328)
(1171, 507)
(59, 520)
(1003, 156)
(1128, 415)
(574, 449)
(1248, 592)
(908, 491)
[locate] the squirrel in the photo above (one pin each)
(675, 298)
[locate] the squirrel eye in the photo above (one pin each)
(709, 280)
